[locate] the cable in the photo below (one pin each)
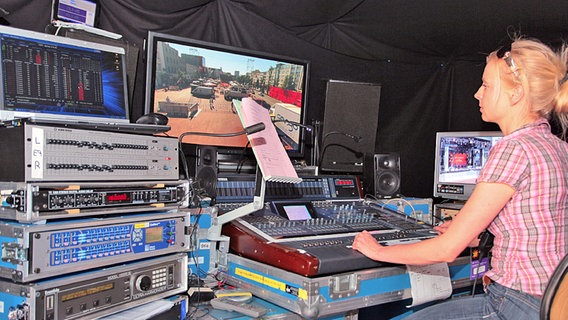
(308, 127)
(242, 159)
(485, 244)
(414, 215)
(248, 130)
(355, 138)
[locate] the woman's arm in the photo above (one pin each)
(485, 203)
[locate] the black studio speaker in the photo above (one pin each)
(351, 118)
(206, 169)
(387, 175)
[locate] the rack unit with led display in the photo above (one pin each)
(93, 294)
(31, 252)
(38, 201)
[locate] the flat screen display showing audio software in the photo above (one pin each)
(459, 159)
(194, 83)
(51, 77)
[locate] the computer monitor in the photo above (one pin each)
(194, 83)
(48, 77)
(458, 161)
(76, 11)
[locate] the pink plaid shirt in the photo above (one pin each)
(530, 231)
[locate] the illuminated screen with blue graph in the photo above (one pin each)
(47, 76)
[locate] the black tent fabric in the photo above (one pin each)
(428, 56)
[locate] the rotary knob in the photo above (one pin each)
(143, 283)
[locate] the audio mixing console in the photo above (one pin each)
(319, 241)
(308, 228)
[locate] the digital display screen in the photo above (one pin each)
(87, 292)
(344, 182)
(212, 76)
(78, 11)
(460, 156)
(55, 77)
(295, 210)
(121, 197)
(154, 235)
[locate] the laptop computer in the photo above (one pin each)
(79, 15)
(49, 79)
(84, 12)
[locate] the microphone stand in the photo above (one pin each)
(217, 222)
(248, 130)
(315, 152)
(314, 129)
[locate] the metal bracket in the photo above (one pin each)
(343, 286)
(14, 253)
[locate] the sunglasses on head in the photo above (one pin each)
(504, 50)
(505, 54)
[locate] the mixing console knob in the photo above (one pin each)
(9, 200)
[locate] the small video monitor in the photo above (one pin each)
(295, 210)
(77, 11)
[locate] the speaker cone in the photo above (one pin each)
(388, 183)
(207, 179)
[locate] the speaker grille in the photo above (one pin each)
(387, 175)
(206, 170)
(351, 110)
(207, 179)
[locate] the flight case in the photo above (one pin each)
(337, 294)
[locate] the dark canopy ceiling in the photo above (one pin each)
(383, 29)
(369, 29)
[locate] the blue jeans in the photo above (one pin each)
(498, 303)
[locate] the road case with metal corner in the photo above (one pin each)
(330, 295)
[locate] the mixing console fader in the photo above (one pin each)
(233, 189)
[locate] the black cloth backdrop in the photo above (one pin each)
(428, 56)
